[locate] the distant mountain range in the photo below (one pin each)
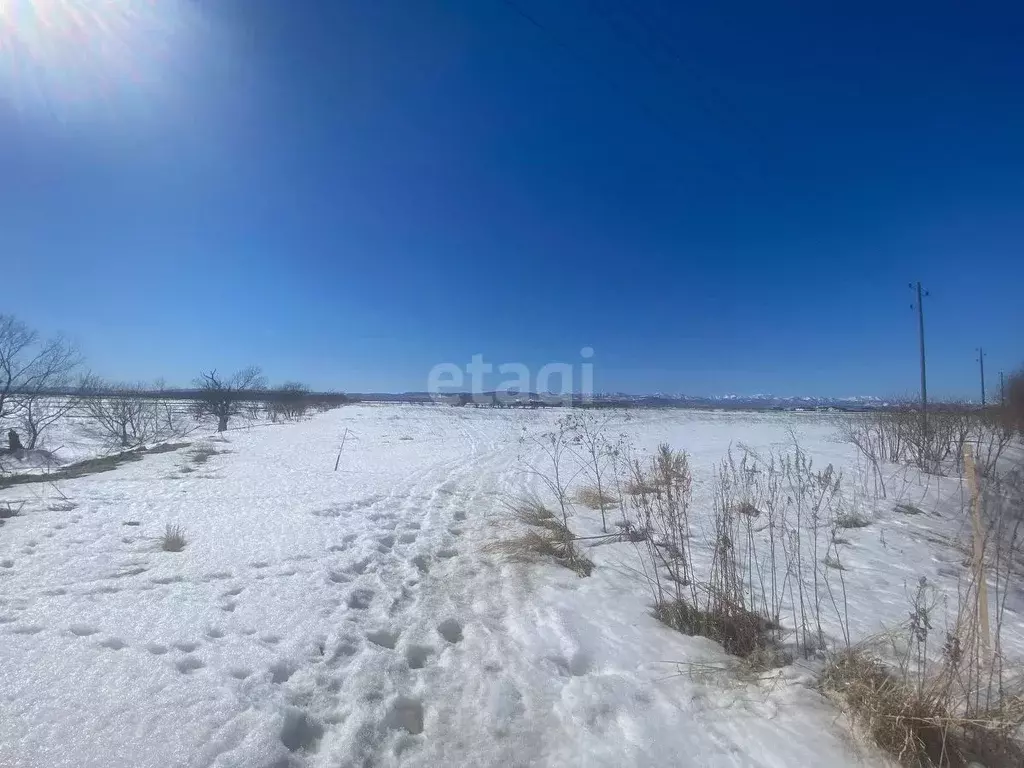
(761, 402)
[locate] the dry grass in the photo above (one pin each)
(589, 496)
(833, 562)
(915, 722)
(739, 631)
(7, 511)
(641, 486)
(63, 506)
(202, 454)
(852, 520)
(167, 447)
(546, 538)
(173, 539)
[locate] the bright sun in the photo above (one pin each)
(66, 56)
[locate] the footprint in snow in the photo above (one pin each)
(157, 649)
(6, 563)
(405, 714)
(459, 516)
(447, 553)
(187, 646)
(164, 580)
(300, 732)
(360, 566)
(189, 664)
(27, 629)
(416, 655)
(83, 630)
(384, 638)
(113, 643)
(360, 599)
(281, 671)
(450, 630)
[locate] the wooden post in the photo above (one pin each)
(979, 551)
(338, 460)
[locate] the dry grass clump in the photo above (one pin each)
(7, 511)
(589, 496)
(201, 454)
(739, 631)
(637, 486)
(851, 520)
(173, 539)
(918, 721)
(546, 537)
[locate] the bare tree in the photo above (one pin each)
(127, 416)
(1014, 406)
(120, 415)
(223, 398)
(41, 411)
(34, 375)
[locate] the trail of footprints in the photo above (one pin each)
(301, 731)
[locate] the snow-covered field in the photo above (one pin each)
(355, 618)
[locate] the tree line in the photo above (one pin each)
(44, 381)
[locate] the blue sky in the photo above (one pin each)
(717, 199)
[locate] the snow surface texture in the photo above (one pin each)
(353, 618)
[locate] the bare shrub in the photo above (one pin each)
(935, 444)
(1013, 406)
(589, 439)
(949, 698)
(661, 508)
(127, 416)
(772, 532)
(173, 539)
(552, 470)
(924, 708)
(289, 402)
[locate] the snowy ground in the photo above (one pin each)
(353, 617)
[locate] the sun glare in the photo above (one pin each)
(70, 56)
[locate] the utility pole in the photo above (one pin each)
(981, 364)
(924, 380)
